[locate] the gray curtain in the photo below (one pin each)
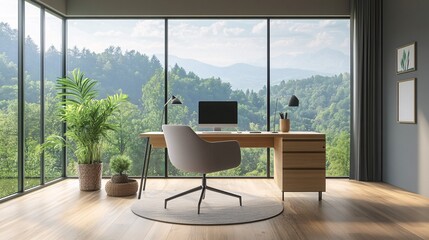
(366, 109)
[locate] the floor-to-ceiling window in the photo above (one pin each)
(208, 59)
(127, 56)
(32, 95)
(8, 97)
(53, 69)
(220, 59)
(310, 58)
(34, 98)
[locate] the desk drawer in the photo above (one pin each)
(304, 160)
(303, 146)
(304, 180)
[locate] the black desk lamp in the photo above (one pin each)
(172, 100)
(293, 102)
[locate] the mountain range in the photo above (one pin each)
(245, 76)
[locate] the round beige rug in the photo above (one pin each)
(216, 209)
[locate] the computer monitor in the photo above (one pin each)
(217, 114)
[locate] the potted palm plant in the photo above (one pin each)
(88, 121)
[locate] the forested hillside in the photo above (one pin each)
(324, 107)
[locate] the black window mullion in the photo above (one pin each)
(166, 89)
(42, 93)
(268, 94)
(21, 25)
(64, 73)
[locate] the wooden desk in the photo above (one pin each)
(299, 157)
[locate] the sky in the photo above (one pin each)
(219, 42)
(145, 36)
(9, 14)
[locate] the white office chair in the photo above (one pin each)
(190, 153)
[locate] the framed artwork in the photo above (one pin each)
(406, 101)
(406, 58)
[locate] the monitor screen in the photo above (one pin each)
(217, 114)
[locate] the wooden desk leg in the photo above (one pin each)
(320, 196)
(283, 196)
(145, 160)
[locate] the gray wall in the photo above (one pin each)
(165, 8)
(58, 5)
(406, 146)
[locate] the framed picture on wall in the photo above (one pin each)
(406, 101)
(406, 58)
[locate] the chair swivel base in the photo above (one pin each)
(203, 187)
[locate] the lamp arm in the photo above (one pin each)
(163, 111)
(169, 100)
(275, 114)
(162, 117)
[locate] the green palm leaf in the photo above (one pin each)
(77, 89)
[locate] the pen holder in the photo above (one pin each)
(284, 125)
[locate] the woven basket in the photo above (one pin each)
(121, 189)
(90, 176)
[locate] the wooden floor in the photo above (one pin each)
(349, 210)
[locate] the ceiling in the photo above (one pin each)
(199, 8)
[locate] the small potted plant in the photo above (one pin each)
(120, 185)
(120, 164)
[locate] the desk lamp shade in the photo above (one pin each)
(293, 101)
(175, 100)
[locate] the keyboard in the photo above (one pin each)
(216, 132)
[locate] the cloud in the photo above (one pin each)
(321, 39)
(261, 27)
(214, 29)
(285, 42)
(345, 45)
(303, 27)
(327, 23)
(8, 13)
(233, 31)
(218, 29)
(215, 41)
(110, 33)
(277, 23)
(218, 42)
(148, 28)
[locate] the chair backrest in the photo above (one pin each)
(188, 152)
